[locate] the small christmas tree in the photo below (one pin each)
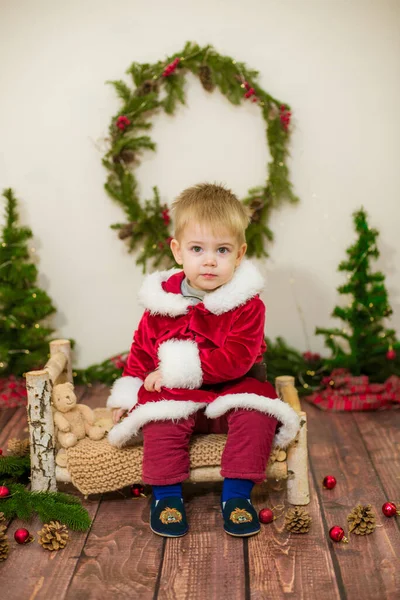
(23, 337)
(368, 347)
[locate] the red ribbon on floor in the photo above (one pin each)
(12, 392)
(346, 392)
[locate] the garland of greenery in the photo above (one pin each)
(160, 86)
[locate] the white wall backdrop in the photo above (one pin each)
(337, 63)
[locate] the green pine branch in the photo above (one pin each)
(49, 506)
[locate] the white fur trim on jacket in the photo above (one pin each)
(159, 302)
(246, 283)
(163, 410)
(180, 364)
(271, 406)
(124, 392)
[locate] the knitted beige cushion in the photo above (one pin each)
(96, 466)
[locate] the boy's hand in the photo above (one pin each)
(117, 414)
(153, 381)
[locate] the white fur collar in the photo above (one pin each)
(246, 283)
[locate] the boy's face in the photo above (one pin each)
(208, 260)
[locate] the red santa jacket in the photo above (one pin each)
(197, 348)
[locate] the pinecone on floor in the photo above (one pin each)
(362, 520)
(297, 520)
(4, 548)
(53, 536)
(206, 78)
(16, 447)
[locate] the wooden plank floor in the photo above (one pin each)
(120, 557)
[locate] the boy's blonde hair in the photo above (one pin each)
(211, 205)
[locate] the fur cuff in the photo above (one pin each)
(180, 364)
(124, 392)
(163, 410)
(289, 419)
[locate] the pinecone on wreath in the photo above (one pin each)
(53, 536)
(256, 206)
(16, 447)
(206, 78)
(362, 520)
(297, 520)
(147, 87)
(4, 547)
(126, 231)
(126, 156)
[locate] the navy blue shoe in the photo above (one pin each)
(240, 517)
(168, 517)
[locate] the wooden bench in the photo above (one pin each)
(290, 464)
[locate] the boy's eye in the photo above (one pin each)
(223, 250)
(196, 249)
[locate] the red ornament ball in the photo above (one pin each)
(329, 482)
(336, 534)
(391, 354)
(266, 515)
(389, 509)
(137, 490)
(4, 491)
(1, 451)
(22, 536)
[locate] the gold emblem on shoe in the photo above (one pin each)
(239, 515)
(170, 515)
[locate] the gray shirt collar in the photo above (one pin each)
(192, 293)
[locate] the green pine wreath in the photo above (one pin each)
(160, 86)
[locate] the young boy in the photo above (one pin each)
(191, 362)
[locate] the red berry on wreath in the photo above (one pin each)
(391, 354)
(389, 509)
(266, 515)
(122, 122)
(329, 482)
(336, 534)
(22, 536)
(165, 216)
(4, 491)
(250, 93)
(137, 490)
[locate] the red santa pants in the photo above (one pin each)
(246, 453)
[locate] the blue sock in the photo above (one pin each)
(236, 488)
(167, 491)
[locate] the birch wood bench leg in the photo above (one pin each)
(298, 491)
(39, 385)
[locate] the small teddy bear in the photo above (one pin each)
(73, 421)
